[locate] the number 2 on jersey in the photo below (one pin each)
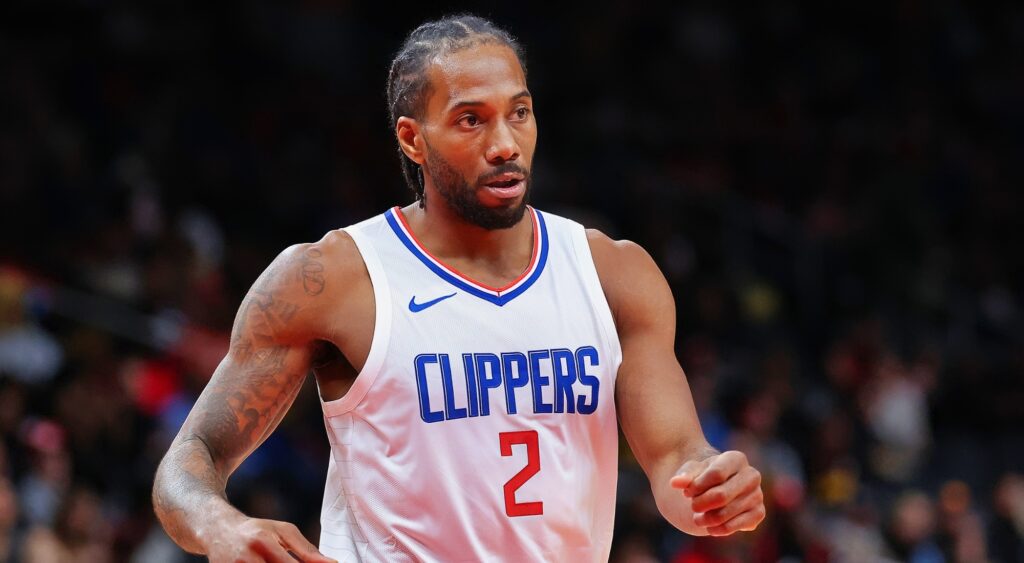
(529, 439)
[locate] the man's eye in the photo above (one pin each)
(469, 120)
(521, 113)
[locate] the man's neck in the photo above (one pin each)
(448, 236)
(493, 258)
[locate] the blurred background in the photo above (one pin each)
(832, 189)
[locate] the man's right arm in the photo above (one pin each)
(272, 346)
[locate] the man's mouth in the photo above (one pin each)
(503, 184)
(507, 186)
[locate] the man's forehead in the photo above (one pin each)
(483, 70)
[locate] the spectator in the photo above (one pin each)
(80, 534)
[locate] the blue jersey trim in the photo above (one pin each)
(499, 300)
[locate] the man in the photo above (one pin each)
(471, 354)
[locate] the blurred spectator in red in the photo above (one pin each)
(961, 532)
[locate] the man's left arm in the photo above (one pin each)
(697, 489)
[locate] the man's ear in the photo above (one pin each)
(407, 130)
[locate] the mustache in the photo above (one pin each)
(506, 168)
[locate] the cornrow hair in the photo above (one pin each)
(408, 87)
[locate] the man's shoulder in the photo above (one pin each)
(606, 249)
(594, 225)
(337, 248)
(326, 265)
(627, 272)
(610, 255)
(335, 252)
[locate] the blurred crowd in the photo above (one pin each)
(829, 190)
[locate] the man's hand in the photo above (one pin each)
(254, 540)
(724, 491)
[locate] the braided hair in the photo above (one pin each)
(408, 86)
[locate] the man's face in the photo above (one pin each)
(479, 134)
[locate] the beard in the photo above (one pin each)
(461, 196)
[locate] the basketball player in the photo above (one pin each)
(473, 355)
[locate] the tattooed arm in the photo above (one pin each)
(272, 344)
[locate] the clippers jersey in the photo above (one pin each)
(482, 426)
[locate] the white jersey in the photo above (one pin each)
(482, 427)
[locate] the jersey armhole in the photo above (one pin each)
(599, 303)
(381, 330)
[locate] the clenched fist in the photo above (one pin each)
(725, 493)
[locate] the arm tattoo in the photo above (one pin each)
(245, 400)
(248, 397)
(312, 272)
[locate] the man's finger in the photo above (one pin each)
(737, 486)
(718, 471)
(271, 552)
(687, 473)
(295, 542)
(745, 522)
(747, 500)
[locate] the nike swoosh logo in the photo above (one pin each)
(417, 307)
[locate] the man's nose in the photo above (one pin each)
(503, 146)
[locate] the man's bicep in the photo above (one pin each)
(267, 361)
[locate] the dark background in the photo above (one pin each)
(832, 189)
